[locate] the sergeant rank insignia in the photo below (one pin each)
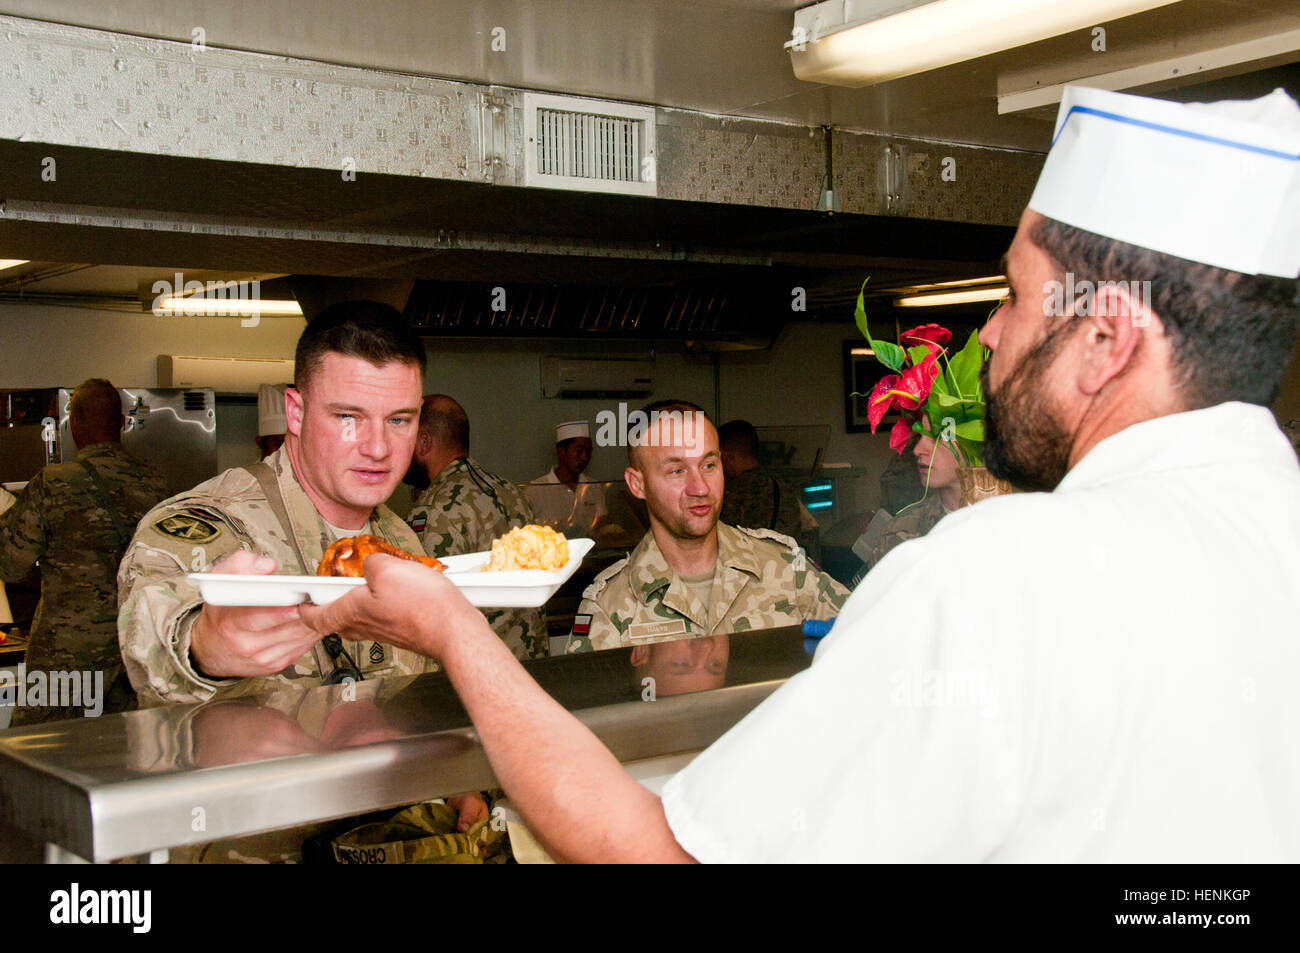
(191, 529)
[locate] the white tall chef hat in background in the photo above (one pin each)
(572, 428)
(270, 410)
(1217, 183)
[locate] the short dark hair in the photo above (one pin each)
(446, 421)
(741, 436)
(1231, 334)
(96, 404)
(370, 330)
(667, 405)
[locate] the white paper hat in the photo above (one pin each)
(270, 410)
(572, 428)
(1217, 183)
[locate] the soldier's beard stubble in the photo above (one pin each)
(1024, 443)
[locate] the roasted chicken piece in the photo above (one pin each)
(344, 558)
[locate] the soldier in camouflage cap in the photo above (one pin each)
(464, 507)
(76, 519)
(690, 575)
(351, 428)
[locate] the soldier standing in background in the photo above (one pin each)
(77, 518)
(463, 508)
(754, 497)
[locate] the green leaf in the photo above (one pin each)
(971, 430)
(965, 366)
(918, 353)
(887, 353)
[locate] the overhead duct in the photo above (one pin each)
(732, 314)
(315, 293)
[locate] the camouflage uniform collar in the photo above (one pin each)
(102, 449)
(650, 572)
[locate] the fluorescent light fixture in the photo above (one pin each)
(1259, 53)
(862, 352)
(959, 283)
(11, 263)
(937, 299)
(861, 42)
(199, 306)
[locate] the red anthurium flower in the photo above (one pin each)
(913, 387)
(881, 400)
(900, 435)
(926, 334)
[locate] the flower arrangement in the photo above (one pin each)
(928, 381)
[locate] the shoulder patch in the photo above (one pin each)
(603, 577)
(419, 521)
(786, 541)
(188, 528)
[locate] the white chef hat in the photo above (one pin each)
(1217, 183)
(570, 429)
(270, 410)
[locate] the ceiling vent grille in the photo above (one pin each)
(589, 145)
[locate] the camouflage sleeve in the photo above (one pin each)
(584, 625)
(442, 535)
(24, 532)
(820, 596)
(157, 607)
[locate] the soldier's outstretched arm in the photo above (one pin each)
(572, 793)
(24, 533)
(178, 650)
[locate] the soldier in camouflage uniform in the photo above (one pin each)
(915, 521)
(754, 497)
(76, 519)
(191, 532)
(937, 468)
(669, 588)
(463, 508)
(351, 428)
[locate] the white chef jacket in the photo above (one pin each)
(568, 510)
(1107, 672)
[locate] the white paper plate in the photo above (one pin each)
(523, 589)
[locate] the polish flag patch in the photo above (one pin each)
(581, 624)
(419, 523)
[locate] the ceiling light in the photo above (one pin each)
(11, 263)
(861, 42)
(937, 299)
(196, 305)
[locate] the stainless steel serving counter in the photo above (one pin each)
(123, 785)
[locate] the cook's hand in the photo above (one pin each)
(470, 809)
(244, 641)
(403, 604)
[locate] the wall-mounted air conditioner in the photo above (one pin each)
(563, 377)
(225, 375)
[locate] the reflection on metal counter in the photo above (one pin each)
(126, 785)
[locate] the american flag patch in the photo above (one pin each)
(581, 624)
